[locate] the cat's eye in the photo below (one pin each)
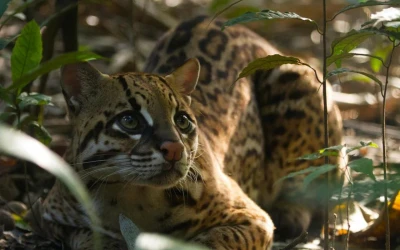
(129, 122)
(183, 123)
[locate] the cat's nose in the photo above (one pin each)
(172, 151)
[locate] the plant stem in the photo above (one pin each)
(326, 136)
(385, 178)
(348, 213)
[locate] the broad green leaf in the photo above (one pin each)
(336, 148)
(369, 144)
(41, 133)
(346, 70)
(32, 99)
(366, 4)
(27, 51)
(3, 6)
(337, 58)
(236, 11)
(350, 41)
(363, 165)
(129, 231)
(22, 146)
(297, 173)
(269, 62)
(55, 63)
(381, 52)
(362, 145)
(360, 78)
(265, 15)
(310, 157)
(317, 173)
(330, 151)
(387, 32)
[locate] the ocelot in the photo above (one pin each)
(186, 151)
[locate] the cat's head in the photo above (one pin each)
(135, 127)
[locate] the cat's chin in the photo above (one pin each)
(165, 179)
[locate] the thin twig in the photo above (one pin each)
(348, 214)
(301, 238)
(222, 11)
(385, 177)
(315, 72)
(326, 135)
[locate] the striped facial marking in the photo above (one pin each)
(138, 130)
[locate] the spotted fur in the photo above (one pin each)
(244, 137)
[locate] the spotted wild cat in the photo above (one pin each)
(192, 161)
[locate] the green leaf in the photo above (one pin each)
(338, 58)
(129, 231)
(41, 133)
(363, 165)
(335, 148)
(369, 144)
(310, 157)
(27, 51)
(386, 32)
(265, 15)
(55, 63)
(3, 6)
(366, 4)
(330, 151)
(381, 52)
(32, 99)
(269, 62)
(316, 173)
(362, 145)
(297, 173)
(350, 41)
(20, 145)
(346, 70)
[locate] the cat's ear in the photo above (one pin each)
(186, 76)
(79, 81)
